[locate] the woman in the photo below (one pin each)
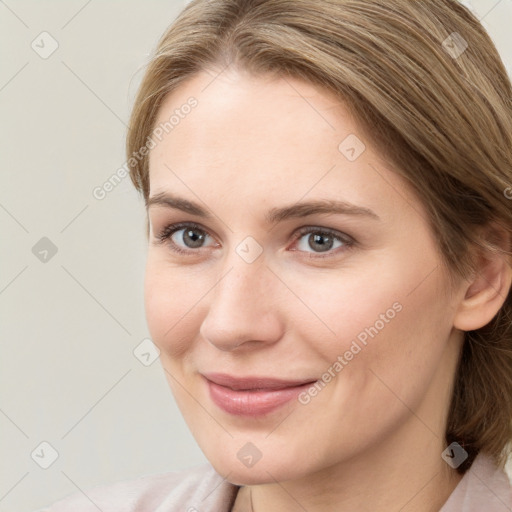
(328, 188)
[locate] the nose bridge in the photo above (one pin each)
(242, 305)
(240, 287)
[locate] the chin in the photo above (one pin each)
(259, 474)
(263, 471)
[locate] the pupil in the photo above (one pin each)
(194, 239)
(319, 241)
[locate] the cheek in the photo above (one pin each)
(391, 341)
(403, 333)
(341, 306)
(393, 313)
(171, 303)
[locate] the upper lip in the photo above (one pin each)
(253, 382)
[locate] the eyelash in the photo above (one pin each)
(169, 230)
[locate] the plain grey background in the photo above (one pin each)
(71, 278)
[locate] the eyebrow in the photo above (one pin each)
(274, 215)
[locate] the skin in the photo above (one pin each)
(372, 438)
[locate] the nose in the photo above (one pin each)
(243, 309)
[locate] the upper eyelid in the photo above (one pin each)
(178, 226)
(182, 225)
(312, 228)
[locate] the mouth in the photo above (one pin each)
(252, 396)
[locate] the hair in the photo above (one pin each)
(441, 113)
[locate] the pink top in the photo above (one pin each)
(484, 488)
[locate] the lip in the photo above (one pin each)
(252, 396)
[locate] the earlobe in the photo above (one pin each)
(486, 292)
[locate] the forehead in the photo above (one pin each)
(267, 136)
(250, 108)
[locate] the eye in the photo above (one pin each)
(188, 237)
(322, 240)
(184, 237)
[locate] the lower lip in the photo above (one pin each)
(252, 403)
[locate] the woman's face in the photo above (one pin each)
(303, 259)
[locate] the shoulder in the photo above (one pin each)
(483, 487)
(197, 488)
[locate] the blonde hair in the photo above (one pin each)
(441, 112)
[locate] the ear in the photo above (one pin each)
(486, 291)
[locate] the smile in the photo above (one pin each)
(252, 396)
